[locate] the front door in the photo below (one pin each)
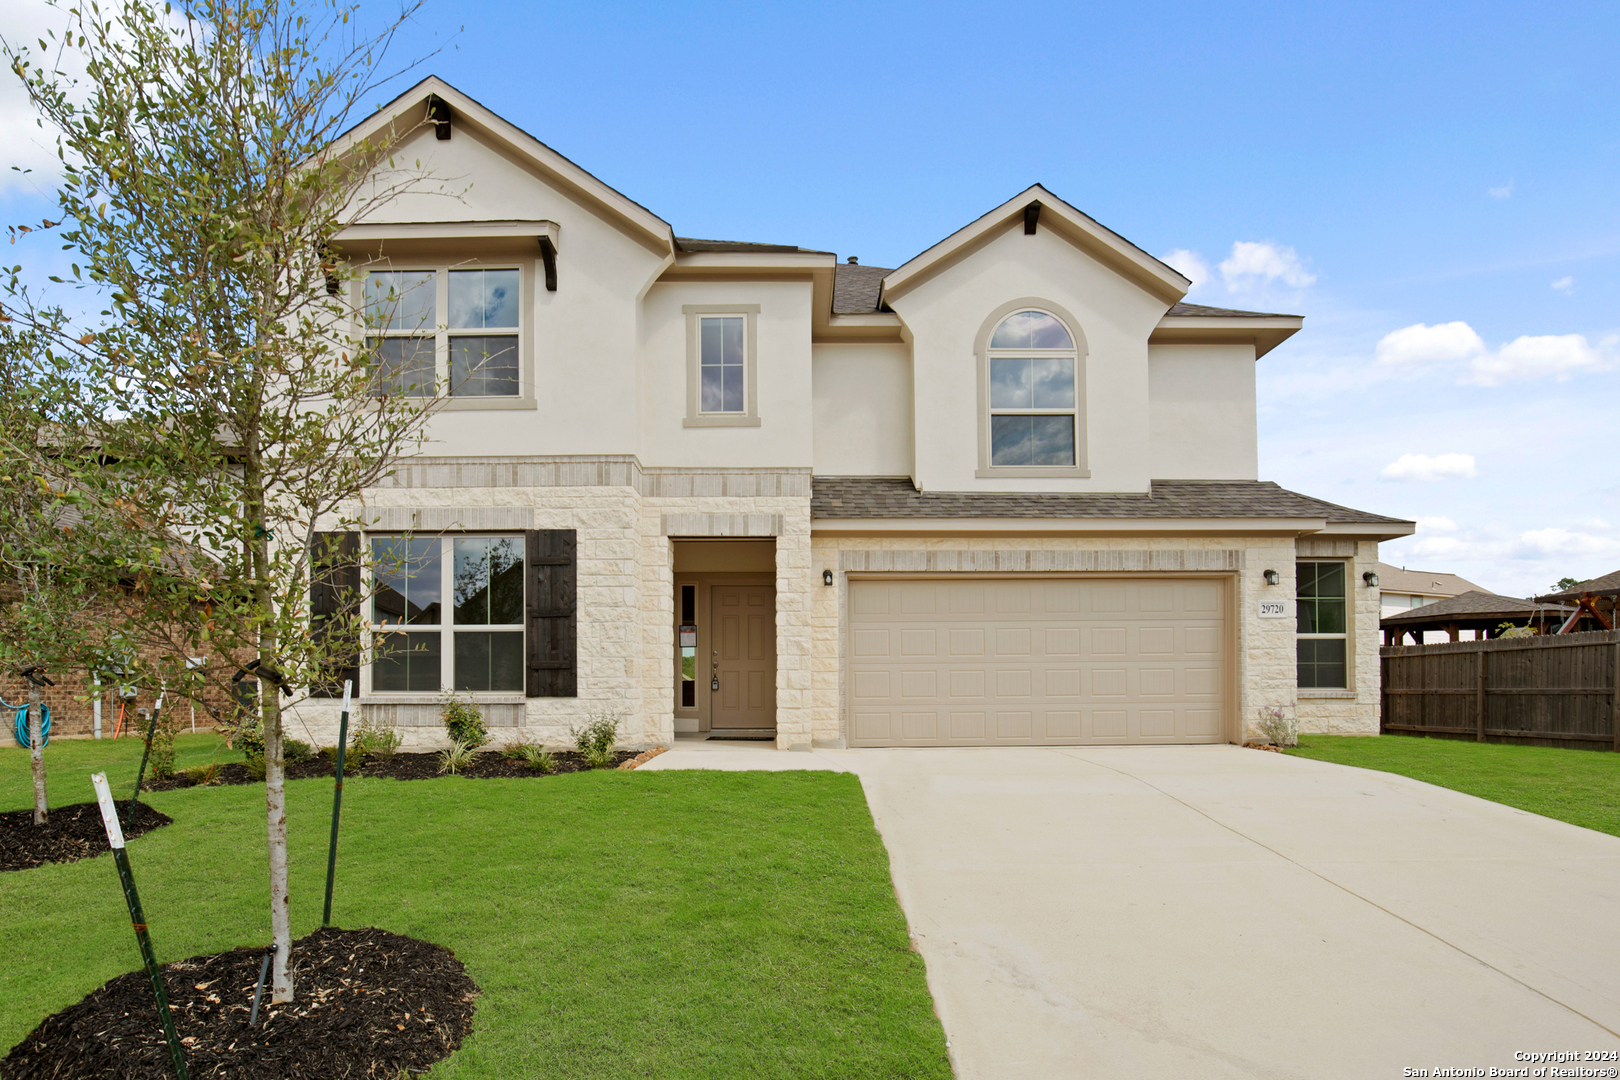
(743, 658)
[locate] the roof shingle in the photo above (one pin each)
(894, 497)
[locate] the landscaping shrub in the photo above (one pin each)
(531, 755)
(1278, 727)
(162, 758)
(377, 742)
(203, 775)
(354, 755)
(458, 757)
(464, 722)
(248, 737)
(595, 739)
(296, 751)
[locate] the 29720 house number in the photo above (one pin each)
(1274, 609)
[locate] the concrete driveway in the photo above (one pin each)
(1220, 912)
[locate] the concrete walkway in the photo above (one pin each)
(1220, 912)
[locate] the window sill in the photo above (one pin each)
(482, 404)
(1328, 695)
(721, 421)
(479, 697)
(1015, 471)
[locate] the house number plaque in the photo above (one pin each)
(1274, 609)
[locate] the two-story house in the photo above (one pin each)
(1005, 493)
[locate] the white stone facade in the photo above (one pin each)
(627, 520)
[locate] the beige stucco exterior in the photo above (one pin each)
(604, 442)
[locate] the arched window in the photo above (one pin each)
(1034, 394)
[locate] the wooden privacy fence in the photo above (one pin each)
(1561, 690)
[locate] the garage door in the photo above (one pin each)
(1038, 661)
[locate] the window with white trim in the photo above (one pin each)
(721, 366)
(1032, 393)
(475, 642)
(473, 351)
(1322, 611)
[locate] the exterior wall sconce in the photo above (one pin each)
(1371, 579)
(1272, 577)
(826, 577)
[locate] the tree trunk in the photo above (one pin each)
(36, 751)
(275, 797)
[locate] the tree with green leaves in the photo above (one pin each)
(1566, 583)
(227, 392)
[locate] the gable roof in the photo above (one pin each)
(1607, 585)
(740, 247)
(1422, 582)
(883, 497)
(1474, 604)
(1085, 232)
(613, 204)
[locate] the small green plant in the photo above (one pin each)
(296, 751)
(248, 737)
(1277, 726)
(162, 761)
(203, 775)
(458, 757)
(531, 755)
(354, 755)
(464, 722)
(595, 739)
(515, 750)
(377, 742)
(255, 767)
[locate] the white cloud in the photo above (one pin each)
(1564, 284)
(1502, 192)
(1421, 345)
(1413, 348)
(1534, 357)
(1190, 263)
(1558, 543)
(1254, 265)
(1424, 467)
(1436, 524)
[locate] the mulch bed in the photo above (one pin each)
(368, 1004)
(70, 833)
(488, 764)
(1263, 746)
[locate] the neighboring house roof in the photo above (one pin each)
(1607, 585)
(1398, 579)
(895, 497)
(1474, 604)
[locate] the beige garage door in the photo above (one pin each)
(1040, 661)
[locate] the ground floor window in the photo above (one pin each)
(473, 642)
(1322, 625)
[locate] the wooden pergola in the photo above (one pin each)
(1594, 603)
(1481, 612)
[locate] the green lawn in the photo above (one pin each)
(620, 924)
(1581, 787)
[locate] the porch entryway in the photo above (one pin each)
(725, 638)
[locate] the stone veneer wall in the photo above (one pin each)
(1354, 711)
(625, 516)
(1265, 657)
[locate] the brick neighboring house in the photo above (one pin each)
(1005, 493)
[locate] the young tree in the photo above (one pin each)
(228, 387)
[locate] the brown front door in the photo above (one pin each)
(743, 657)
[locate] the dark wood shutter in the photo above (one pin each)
(334, 609)
(551, 641)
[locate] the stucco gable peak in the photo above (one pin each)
(1038, 208)
(411, 105)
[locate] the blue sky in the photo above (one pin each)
(1432, 186)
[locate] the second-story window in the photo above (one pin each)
(1033, 403)
(723, 364)
(458, 330)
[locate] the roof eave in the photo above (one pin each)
(1002, 526)
(1079, 228)
(648, 227)
(1264, 333)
